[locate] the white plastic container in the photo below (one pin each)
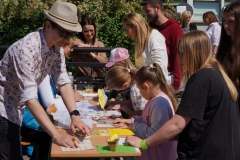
(70, 77)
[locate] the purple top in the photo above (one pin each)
(156, 112)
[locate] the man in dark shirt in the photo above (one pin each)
(171, 30)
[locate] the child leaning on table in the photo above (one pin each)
(158, 110)
(120, 78)
(119, 57)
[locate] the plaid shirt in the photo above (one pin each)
(23, 67)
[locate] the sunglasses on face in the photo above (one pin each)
(65, 34)
(87, 31)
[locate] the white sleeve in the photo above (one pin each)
(138, 102)
(216, 34)
(158, 51)
(45, 92)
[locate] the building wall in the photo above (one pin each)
(201, 6)
(201, 26)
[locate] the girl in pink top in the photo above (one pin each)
(158, 110)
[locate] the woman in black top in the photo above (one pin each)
(207, 120)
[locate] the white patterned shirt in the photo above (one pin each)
(23, 67)
(138, 102)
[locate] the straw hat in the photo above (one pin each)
(65, 15)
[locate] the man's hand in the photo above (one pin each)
(77, 123)
(78, 96)
(133, 141)
(66, 140)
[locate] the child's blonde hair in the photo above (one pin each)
(127, 64)
(154, 75)
(118, 75)
(70, 42)
(196, 51)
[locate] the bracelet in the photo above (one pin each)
(143, 145)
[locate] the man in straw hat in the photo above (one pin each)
(24, 65)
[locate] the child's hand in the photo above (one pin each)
(109, 103)
(113, 107)
(125, 108)
(121, 125)
(112, 99)
(98, 107)
(121, 120)
(118, 120)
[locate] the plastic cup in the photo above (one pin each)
(89, 88)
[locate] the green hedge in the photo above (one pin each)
(19, 17)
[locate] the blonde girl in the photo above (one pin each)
(120, 78)
(150, 43)
(119, 57)
(158, 110)
(207, 119)
(186, 24)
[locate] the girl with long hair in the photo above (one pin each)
(229, 48)
(150, 43)
(120, 78)
(158, 110)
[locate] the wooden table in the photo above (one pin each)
(57, 153)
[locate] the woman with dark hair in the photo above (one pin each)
(213, 31)
(87, 38)
(229, 48)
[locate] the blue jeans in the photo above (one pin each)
(10, 143)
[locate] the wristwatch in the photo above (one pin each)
(74, 112)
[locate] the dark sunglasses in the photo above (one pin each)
(65, 34)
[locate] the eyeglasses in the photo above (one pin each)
(87, 31)
(65, 34)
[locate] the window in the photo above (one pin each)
(201, 7)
